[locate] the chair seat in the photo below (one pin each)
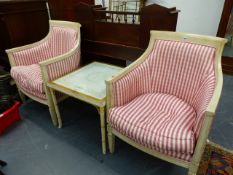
(29, 78)
(159, 121)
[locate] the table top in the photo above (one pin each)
(88, 80)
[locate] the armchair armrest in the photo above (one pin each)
(132, 81)
(29, 54)
(60, 65)
(205, 103)
(128, 84)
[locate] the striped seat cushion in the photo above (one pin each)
(159, 121)
(29, 78)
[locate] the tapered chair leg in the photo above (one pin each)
(53, 115)
(193, 168)
(111, 140)
(51, 106)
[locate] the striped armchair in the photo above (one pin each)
(164, 103)
(33, 65)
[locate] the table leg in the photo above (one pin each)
(102, 126)
(56, 107)
(51, 107)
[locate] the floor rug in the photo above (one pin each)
(216, 160)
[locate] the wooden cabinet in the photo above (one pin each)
(108, 37)
(65, 9)
(21, 22)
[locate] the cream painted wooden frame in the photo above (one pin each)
(215, 42)
(98, 102)
(44, 64)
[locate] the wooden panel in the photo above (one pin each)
(104, 36)
(227, 62)
(156, 17)
(113, 51)
(227, 65)
(65, 9)
(224, 18)
(127, 34)
(85, 16)
(21, 22)
(55, 8)
(18, 22)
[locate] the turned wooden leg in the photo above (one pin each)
(52, 111)
(55, 105)
(111, 140)
(53, 115)
(102, 126)
(193, 168)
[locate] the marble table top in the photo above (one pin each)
(89, 80)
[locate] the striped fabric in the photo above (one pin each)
(201, 101)
(176, 69)
(59, 42)
(29, 78)
(27, 73)
(137, 82)
(62, 40)
(181, 69)
(63, 67)
(166, 127)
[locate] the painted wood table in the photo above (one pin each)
(86, 84)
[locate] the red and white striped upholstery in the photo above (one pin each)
(63, 67)
(176, 74)
(182, 69)
(30, 79)
(60, 41)
(137, 82)
(159, 121)
(27, 72)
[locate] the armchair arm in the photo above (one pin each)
(131, 81)
(60, 65)
(206, 100)
(29, 54)
(128, 84)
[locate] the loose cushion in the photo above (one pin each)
(29, 78)
(159, 121)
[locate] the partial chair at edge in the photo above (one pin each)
(33, 65)
(164, 103)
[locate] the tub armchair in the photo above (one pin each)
(33, 65)
(164, 103)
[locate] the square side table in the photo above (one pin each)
(86, 84)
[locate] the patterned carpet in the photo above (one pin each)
(216, 161)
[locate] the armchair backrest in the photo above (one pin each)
(62, 40)
(187, 66)
(180, 68)
(62, 37)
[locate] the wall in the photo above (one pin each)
(196, 16)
